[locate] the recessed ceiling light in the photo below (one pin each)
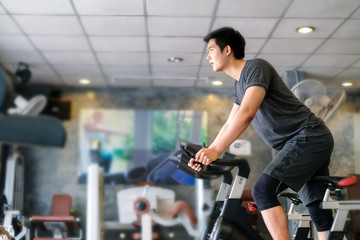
(84, 81)
(175, 59)
(305, 29)
(347, 84)
(217, 83)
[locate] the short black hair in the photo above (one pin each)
(228, 36)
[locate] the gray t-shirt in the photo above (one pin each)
(281, 115)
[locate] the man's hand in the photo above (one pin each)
(204, 156)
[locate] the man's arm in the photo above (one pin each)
(239, 119)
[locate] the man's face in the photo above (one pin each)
(215, 57)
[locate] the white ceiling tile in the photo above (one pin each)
(72, 69)
(356, 65)
(7, 25)
(188, 58)
(323, 27)
(70, 57)
(284, 60)
(96, 80)
(350, 29)
(114, 25)
(322, 8)
(123, 58)
(176, 44)
(183, 71)
(110, 7)
(173, 83)
(38, 6)
(350, 74)
(41, 73)
(340, 61)
(15, 43)
(253, 8)
(340, 46)
(2, 10)
(320, 73)
(25, 56)
(291, 46)
(119, 44)
(180, 8)
(179, 26)
(260, 27)
(253, 45)
(49, 25)
(130, 82)
(60, 43)
(356, 14)
(111, 70)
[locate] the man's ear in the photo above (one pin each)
(228, 50)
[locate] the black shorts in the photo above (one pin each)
(300, 159)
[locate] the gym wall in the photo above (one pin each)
(50, 171)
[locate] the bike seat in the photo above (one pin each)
(335, 182)
(294, 197)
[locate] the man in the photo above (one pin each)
(303, 142)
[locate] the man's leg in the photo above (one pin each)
(276, 222)
(265, 194)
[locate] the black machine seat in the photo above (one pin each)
(25, 130)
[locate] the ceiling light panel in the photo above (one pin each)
(284, 60)
(322, 60)
(109, 7)
(183, 71)
(320, 73)
(291, 46)
(15, 43)
(38, 6)
(123, 58)
(245, 8)
(125, 25)
(74, 80)
(69, 69)
(260, 27)
(70, 57)
(49, 25)
(7, 25)
(141, 71)
(178, 26)
(323, 28)
(340, 46)
(180, 44)
(61, 43)
(322, 8)
(173, 83)
(119, 44)
(202, 8)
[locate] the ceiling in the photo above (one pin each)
(127, 43)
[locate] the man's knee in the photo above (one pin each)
(265, 192)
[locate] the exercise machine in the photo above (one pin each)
(20, 126)
(340, 207)
(228, 218)
(149, 203)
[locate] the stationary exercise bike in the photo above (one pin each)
(341, 207)
(228, 218)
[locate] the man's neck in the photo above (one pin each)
(235, 68)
